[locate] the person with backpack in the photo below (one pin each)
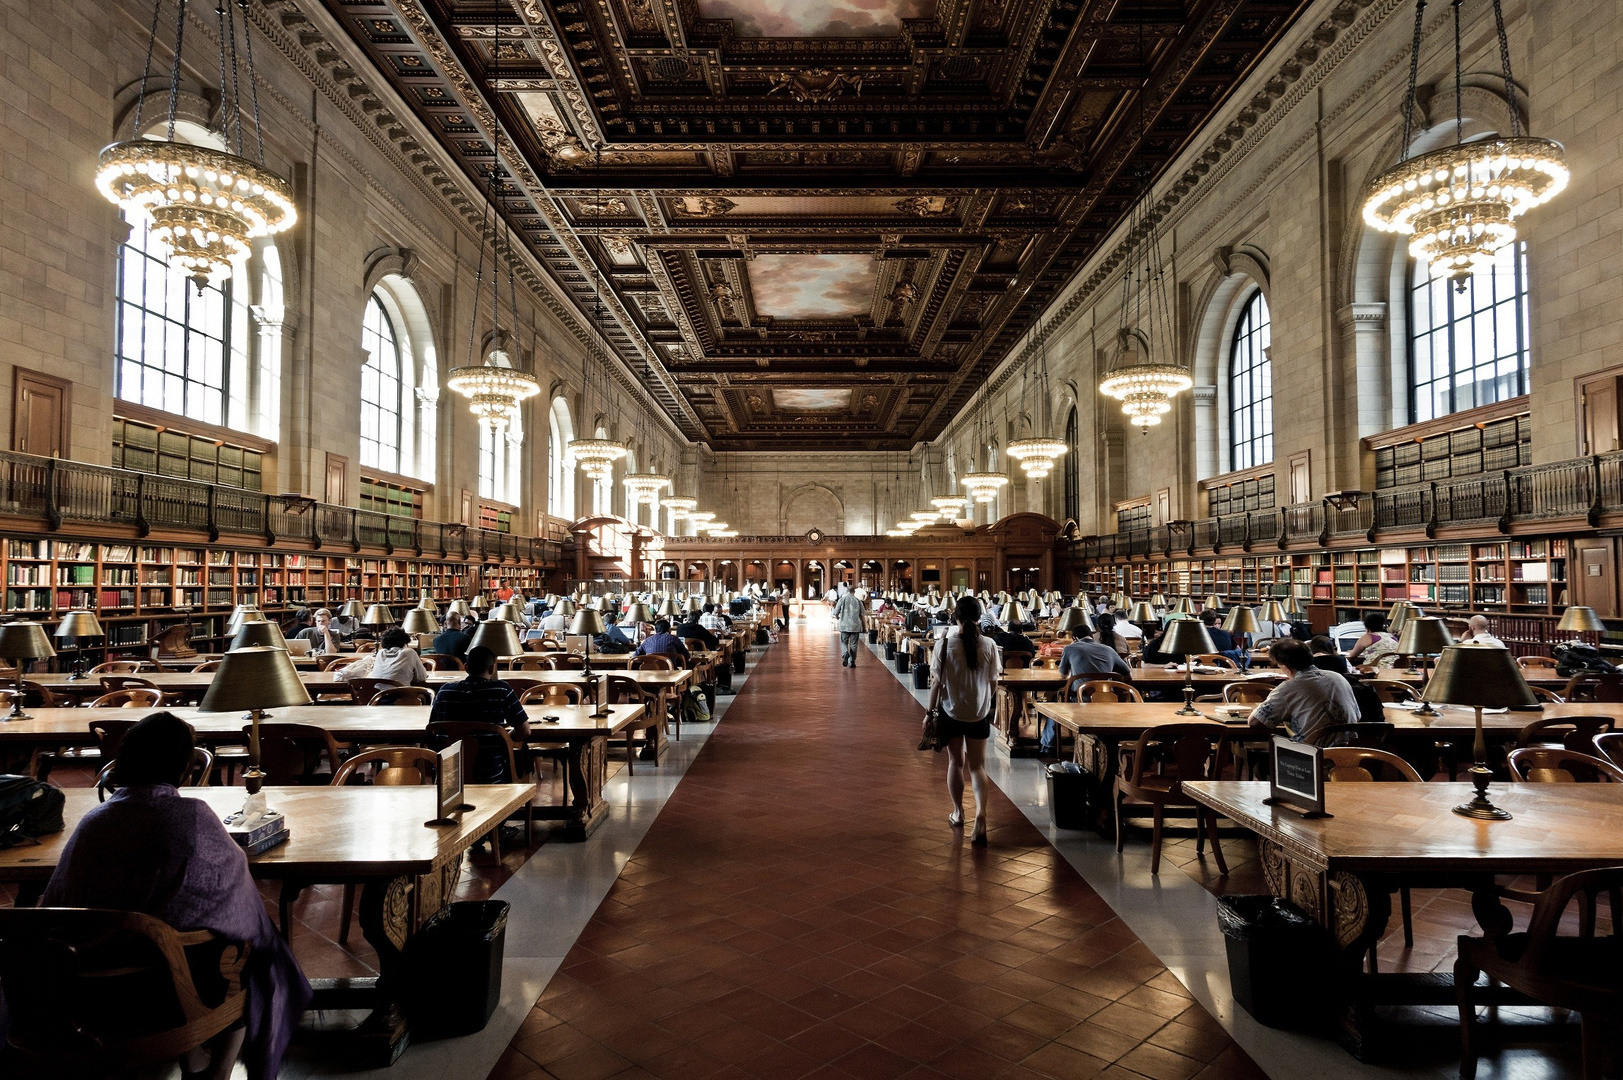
(963, 687)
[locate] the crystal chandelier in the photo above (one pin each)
(680, 506)
(723, 534)
(701, 519)
(1037, 454)
(645, 487)
(205, 205)
(925, 517)
(1459, 204)
(1144, 389)
(952, 507)
(596, 457)
(984, 486)
(494, 388)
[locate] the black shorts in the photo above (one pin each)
(950, 729)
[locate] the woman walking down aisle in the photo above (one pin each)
(963, 683)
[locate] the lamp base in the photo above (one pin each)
(1480, 808)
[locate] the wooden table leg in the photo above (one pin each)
(586, 810)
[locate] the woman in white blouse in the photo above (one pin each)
(395, 661)
(963, 683)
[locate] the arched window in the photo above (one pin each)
(560, 472)
(1468, 348)
(501, 465)
(1251, 387)
(1073, 469)
(380, 390)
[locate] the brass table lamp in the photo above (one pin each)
(1015, 613)
(352, 609)
(1483, 677)
(1072, 620)
(1213, 603)
(565, 607)
(589, 622)
(257, 634)
(637, 614)
(377, 616)
(503, 612)
(1187, 638)
(1241, 620)
(1143, 613)
(76, 626)
(1424, 637)
(460, 607)
(418, 622)
(243, 613)
(478, 603)
(497, 635)
(1580, 620)
(1274, 612)
(669, 609)
(1398, 617)
(252, 680)
(21, 641)
(1184, 606)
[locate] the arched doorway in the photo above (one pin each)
(845, 572)
(783, 575)
(669, 571)
(727, 574)
(901, 576)
(697, 571)
(873, 574)
(755, 572)
(813, 586)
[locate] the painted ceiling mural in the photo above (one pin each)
(781, 197)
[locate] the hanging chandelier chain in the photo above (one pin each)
(1504, 62)
(1414, 75)
(236, 74)
(146, 70)
(174, 73)
(1459, 89)
(253, 83)
(478, 285)
(225, 82)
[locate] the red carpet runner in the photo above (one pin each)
(801, 908)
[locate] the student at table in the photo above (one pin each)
(1223, 639)
(554, 622)
(323, 636)
(1325, 655)
(612, 640)
(1126, 632)
(1011, 637)
(483, 698)
(453, 640)
(662, 643)
(710, 620)
(1310, 700)
(1374, 642)
(394, 660)
(1477, 632)
(149, 849)
(1083, 656)
(720, 674)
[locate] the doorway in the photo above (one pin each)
(1021, 578)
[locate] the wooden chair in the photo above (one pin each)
(362, 691)
(1595, 686)
(1576, 973)
(290, 754)
(1249, 692)
(624, 690)
(95, 992)
(402, 695)
(1363, 764)
(430, 663)
(1537, 663)
(35, 696)
(362, 647)
(551, 694)
(652, 662)
(205, 667)
(134, 697)
(1553, 765)
(1160, 761)
(122, 667)
(327, 663)
(1575, 733)
(1392, 692)
(1366, 736)
(1089, 689)
(1547, 696)
(197, 774)
(390, 766)
(530, 662)
(1016, 661)
(480, 742)
(1610, 746)
(1217, 660)
(567, 662)
(442, 662)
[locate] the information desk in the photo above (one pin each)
(373, 837)
(1343, 868)
(359, 726)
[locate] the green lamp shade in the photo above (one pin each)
(257, 677)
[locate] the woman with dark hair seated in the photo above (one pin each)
(151, 850)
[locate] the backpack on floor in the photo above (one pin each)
(29, 808)
(693, 710)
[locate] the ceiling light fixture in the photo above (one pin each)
(1459, 203)
(205, 205)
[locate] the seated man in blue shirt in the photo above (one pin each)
(483, 698)
(613, 639)
(1224, 640)
(662, 643)
(1083, 656)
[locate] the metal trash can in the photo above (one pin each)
(873, 637)
(1279, 959)
(890, 650)
(904, 661)
(921, 676)
(1068, 791)
(454, 967)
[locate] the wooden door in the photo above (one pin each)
(1594, 576)
(39, 413)
(1301, 478)
(337, 480)
(1597, 406)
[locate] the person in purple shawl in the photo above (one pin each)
(151, 850)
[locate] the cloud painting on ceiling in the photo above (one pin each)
(827, 18)
(809, 400)
(812, 286)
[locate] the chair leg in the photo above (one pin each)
(284, 907)
(1217, 847)
(1155, 839)
(1594, 1042)
(1119, 839)
(496, 841)
(1405, 901)
(348, 913)
(1464, 978)
(631, 753)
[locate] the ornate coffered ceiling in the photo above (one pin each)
(820, 224)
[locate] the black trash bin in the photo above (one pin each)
(921, 676)
(903, 662)
(890, 650)
(873, 637)
(454, 967)
(1279, 959)
(1068, 791)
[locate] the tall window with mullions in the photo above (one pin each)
(1470, 348)
(1073, 469)
(174, 341)
(1251, 387)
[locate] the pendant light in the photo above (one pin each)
(1459, 204)
(983, 487)
(596, 457)
(206, 206)
(1037, 453)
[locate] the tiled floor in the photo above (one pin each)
(801, 908)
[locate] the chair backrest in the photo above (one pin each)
(1014, 661)
(1213, 659)
(1553, 765)
(1528, 662)
(1088, 688)
(363, 690)
(205, 667)
(442, 662)
(197, 773)
(1047, 663)
(430, 663)
(1595, 686)
(1610, 746)
(389, 766)
(653, 662)
(1250, 692)
(366, 646)
(1545, 922)
(551, 694)
(109, 683)
(93, 991)
(402, 695)
(569, 662)
(487, 749)
(1549, 696)
(335, 660)
(121, 667)
(530, 662)
(1369, 736)
(1362, 763)
(1575, 733)
(624, 690)
(135, 697)
(1180, 752)
(1391, 692)
(291, 753)
(109, 735)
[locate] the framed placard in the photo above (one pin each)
(448, 786)
(1297, 777)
